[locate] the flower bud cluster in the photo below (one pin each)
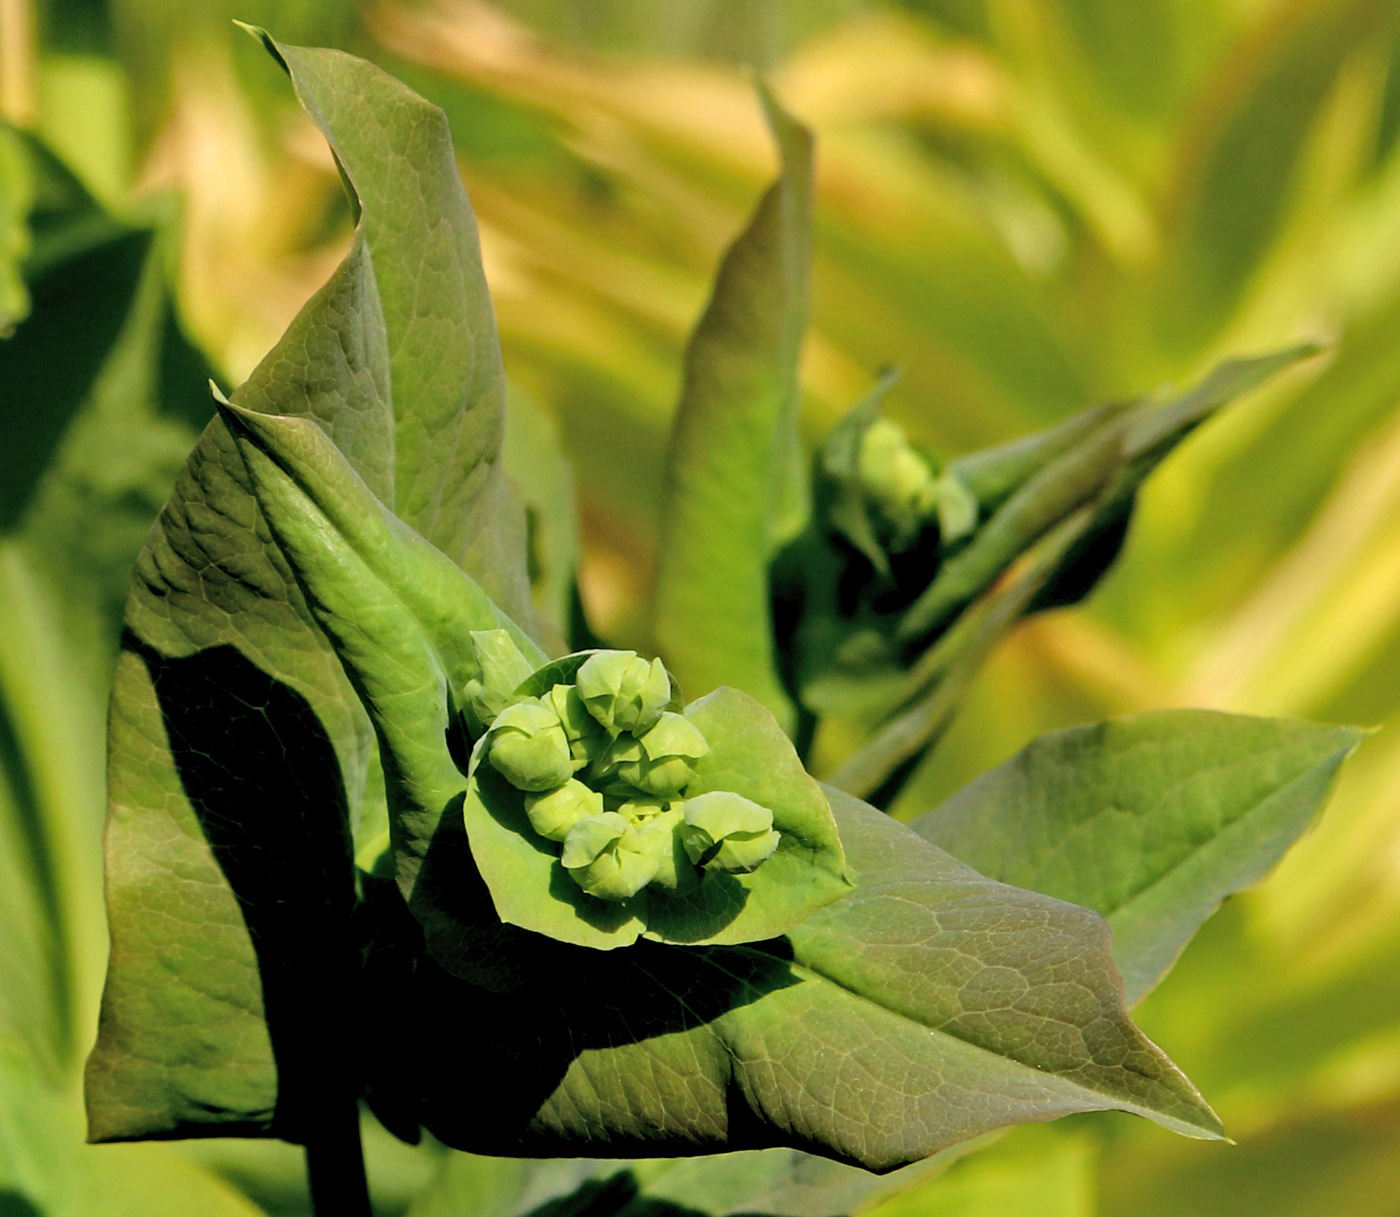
(604, 768)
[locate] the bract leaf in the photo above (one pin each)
(928, 1007)
(1151, 820)
(749, 755)
(735, 487)
(239, 749)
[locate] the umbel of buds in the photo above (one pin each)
(604, 766)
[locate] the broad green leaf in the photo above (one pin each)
(438, 328)
(398, 612)
(239, 751)
(735, 490)
(928, 1007)
(1152, 820)
(749, 755)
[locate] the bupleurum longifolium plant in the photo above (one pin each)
(381, 809)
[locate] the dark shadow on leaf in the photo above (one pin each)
(459, 924)
(700, 913)
(475, 1066)
(16, 1204)
(263, 779)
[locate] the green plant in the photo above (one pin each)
(315, 851)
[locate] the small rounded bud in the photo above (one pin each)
(528, 747)
(896, 478)
(605, 856)
(660, 834)
(663, 760)
(553, 812)
(623, 691)
(500, 670)
(727, 832)
(585, 734)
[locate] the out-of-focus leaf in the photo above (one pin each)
(534, 456)
(81, 393)
(48, 367)
(47, 1171)
(269, 742)
(514, 1187)
(735, 487)
(1151, 820)
(993, 475)
(780, 1182)
(928, 985)
(16, 190)
(1245, 155)
(1136, 51)
(838, 465)
(1033, 1172)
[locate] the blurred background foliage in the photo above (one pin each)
(1027, 205)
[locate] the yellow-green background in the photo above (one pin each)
(1027, 205)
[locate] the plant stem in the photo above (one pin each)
(335, 1165)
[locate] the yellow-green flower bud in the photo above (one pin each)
(623, 691)
(528, 747)
(727, 832)
(660, 834)
(553, 812)
(501, 669)
(662, 760)
(585, 734)
(898, 481)
(606, 857)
